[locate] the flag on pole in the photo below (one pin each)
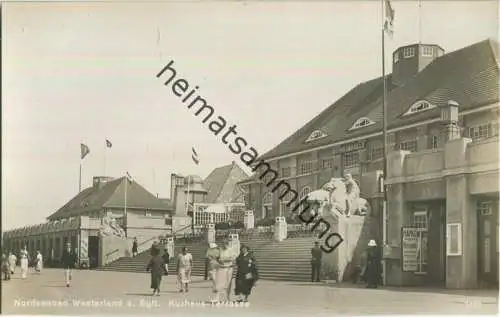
(389, 18)
(194, 156)
(84, 150)
(109, 144)
(129, 178)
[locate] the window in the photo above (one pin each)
(428, 51)
(317, 134)
(408, 52)
(284, 208)
(351, 159)
(327, 163)
(410, 145)
(480, 131)
(361, 122)
(419, 106)
(375, 153)
(421, 223)
(147, 213)
(396, 57)
(306, 168)
(304, 192)
(434, 142)
(454, 239)
(484, 208)
(286, 172)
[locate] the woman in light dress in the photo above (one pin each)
(184, 266)
(224, 272)
(39, 262)
(24, 262)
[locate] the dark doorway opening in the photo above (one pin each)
(93, 252)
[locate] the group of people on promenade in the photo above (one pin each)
(221, 262)
(9, 263)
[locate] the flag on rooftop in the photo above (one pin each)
(84, 150)
(108, 143)
(194, 156)
(389, 18)
(129, 177)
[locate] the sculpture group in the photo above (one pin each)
(110, 227)
(340, 197)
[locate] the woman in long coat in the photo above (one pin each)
(247, 274)
(157, 267)
(373, 270)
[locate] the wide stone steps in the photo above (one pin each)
(288, 260)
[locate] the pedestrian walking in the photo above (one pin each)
(12, 262)
(373, 271)
(157, 268)
(5, 267)
(184, 267)
(246, 274)
(212, 264)
(166, 260)
(38, 262)
(224, 274)
(316, 256)
(134, 247)
(24, 262)
(68, 261)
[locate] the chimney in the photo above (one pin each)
(449, 120)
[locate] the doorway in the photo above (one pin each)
(488, 245)
(93, 252)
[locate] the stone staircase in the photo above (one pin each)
(288, 260)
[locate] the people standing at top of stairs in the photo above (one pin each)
(68, 260)
(316, 256)
(184, 267)
(134, 247)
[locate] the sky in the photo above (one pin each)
(85, 72)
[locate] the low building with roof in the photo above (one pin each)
(443, 162)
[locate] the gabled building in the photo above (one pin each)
(443, 122)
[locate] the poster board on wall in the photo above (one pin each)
(410, 249)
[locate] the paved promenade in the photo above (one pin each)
(95, 292)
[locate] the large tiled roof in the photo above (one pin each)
(468, 76)
(109, 195)
(221, 183)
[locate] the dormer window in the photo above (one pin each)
(317, 134)
(419, 106)
(408, 52)
(361, 123)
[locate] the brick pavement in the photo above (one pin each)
(130, 293)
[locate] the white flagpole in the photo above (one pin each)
(80, 177)
(125, 204)
(384, 119)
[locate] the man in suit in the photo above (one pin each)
(68, 260)
(316, 255)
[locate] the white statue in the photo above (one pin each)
(340, 197)
(110, 227)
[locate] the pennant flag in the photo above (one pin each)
(84, 150)
(108, 143)
(129, 178)
(194, 156)
(389, 18)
